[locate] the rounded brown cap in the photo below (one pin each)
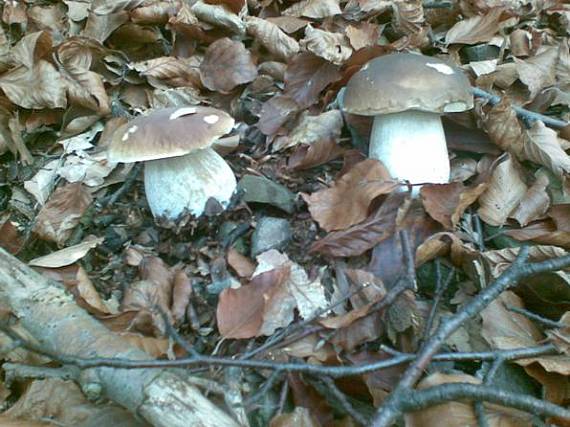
(405, 81)
(168, 132)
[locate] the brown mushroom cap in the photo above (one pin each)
(168, 132)
(405, 81)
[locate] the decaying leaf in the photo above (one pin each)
(347, 202)
(272, 38)
(359, 238)
(311, 129)
(68, 255)
(476, 29)
(62, 212)
(334, 47)
(505, 191)
(227, 64)
(314, 9)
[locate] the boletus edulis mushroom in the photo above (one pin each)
(407, 94)
(182, 173)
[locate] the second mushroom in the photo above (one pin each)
(407, 94)
(182, 173)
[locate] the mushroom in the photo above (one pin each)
(407, 93)
(181, 170)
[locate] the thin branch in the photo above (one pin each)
(343, 401)
(332, 371)
(521, 112)
(415, 400)
(533, 316)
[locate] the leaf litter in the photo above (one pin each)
(72, 72)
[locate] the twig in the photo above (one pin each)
(391, 409)
(533, 316)
(332, 371)
(127, 185)
(441, 287)
(267, 385)
(343, 401)
(521, 112)
(414, 400)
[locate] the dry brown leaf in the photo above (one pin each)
(62, 212)
(306, 77)
(311, 129)
(446, 202)
(538, 71)
(362, 35)
(227, 64)
(334, 47)
(364, 236)
(236, 6)
(542, 147)
(275, 113)
(289, 24)
(505, 191)
(476, 29)
(560, 214)
(272, 38)
(300, 417)
(156, 13)
(242, 265)
(257, 308)
(459, 414)
(219, 16)
(68, 255)
(504, 129)
(10, 237)
(41, 86)
(504, 329)
(315, 9)
(105, 7)
(84, 87)
(347, 202)
(463, 168)
(181, 292)
(542, 232)
(167, 71)
(308, 293)
(316, 154)
(100, 27)
(535, 203)
(53, 399)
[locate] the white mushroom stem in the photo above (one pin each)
(178, 185)
(412, 146)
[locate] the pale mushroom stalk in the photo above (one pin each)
(411, 145)
(184, 184)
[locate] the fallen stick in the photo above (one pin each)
(58, 325)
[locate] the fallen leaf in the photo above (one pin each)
(307, 76)
(227, 64)
(300, 417)
(242, 265)
(68, 255)
(334, 47)
(538, 71)
(505, 191)
(362, 35)
(272, 38)
(314, 9)
(476, 29)
(257, 308)
(347, 202)
(181, 292)
(167, 71)
(446, 203)
(316, 154)
(542, 147)
(535, 203)
(311, 129)
(62, 212)
(275, 113)
(356, 240)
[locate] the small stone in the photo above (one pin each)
(271, 233)
(259, 189)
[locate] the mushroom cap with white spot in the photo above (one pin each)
(168, 132)
(406, 81)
